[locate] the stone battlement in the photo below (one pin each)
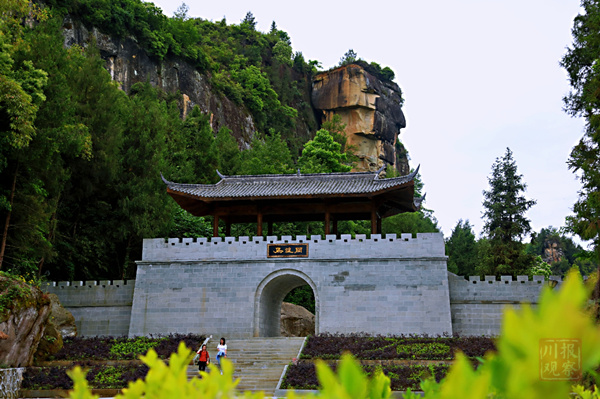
(509, 279)
(92, 293)
(88, 284)
(425, 245)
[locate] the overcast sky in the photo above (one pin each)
(477, 76)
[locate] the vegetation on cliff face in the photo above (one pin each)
(254, 69)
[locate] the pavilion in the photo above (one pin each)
(327, 197)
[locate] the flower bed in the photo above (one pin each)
(99, 376)
(303, 375)
(405, 359)
(110, 360)
(331, 346)
(123, 348)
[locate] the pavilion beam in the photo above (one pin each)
(215, 225)
(327, 221)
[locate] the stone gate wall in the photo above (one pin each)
(99, 307)
(377, 285)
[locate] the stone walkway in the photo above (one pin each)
(258, 362)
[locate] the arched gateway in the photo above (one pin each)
(269, 296)
(234, 286)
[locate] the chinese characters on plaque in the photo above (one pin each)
(287, 250)
(560, 359)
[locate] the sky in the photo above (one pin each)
(477, 76)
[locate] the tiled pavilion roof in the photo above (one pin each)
(329, 197)
(291, 185)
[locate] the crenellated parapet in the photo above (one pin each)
(425, 245)
(477, 304)
(504, 290)
(99, 293)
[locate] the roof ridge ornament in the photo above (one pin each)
(165, 180)
(413, 174)
(379, 171)
(221, 175)
(418, 201)
(298, 174)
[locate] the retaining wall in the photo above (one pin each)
(99, 307)
(477, 305)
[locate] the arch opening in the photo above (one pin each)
(269, 297)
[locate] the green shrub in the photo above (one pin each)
(139, 346)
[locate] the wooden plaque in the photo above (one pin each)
(287, 250)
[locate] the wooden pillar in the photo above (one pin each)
(215, 225)
(227, 229)
(373, 221)
(335, 230)
(378, 225)
(270, 228)
(259, 222)
(327, 221)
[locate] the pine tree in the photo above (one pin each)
(461, 249)
(582, 63)
(506, 224)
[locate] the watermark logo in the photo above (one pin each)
(560, 359)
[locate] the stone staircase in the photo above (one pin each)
(258, 362)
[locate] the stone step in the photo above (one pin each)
(258, 362)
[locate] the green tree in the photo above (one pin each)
(582, 62)
(323, 155)
(349, 57)
(461, 249)
(228, 153)
(505, 221)
(267, 155)
(144, 209)
(302, 296)
(193, 153)
(557, 249)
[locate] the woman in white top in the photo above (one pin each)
(222, 352)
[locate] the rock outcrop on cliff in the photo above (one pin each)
(371, 110)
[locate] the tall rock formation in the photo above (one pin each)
(371, 110)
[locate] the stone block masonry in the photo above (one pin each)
(377, 285)
(99, 307)
(230, 287)
(477, 305)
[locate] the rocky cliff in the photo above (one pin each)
(128, 64)
(371, 110)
